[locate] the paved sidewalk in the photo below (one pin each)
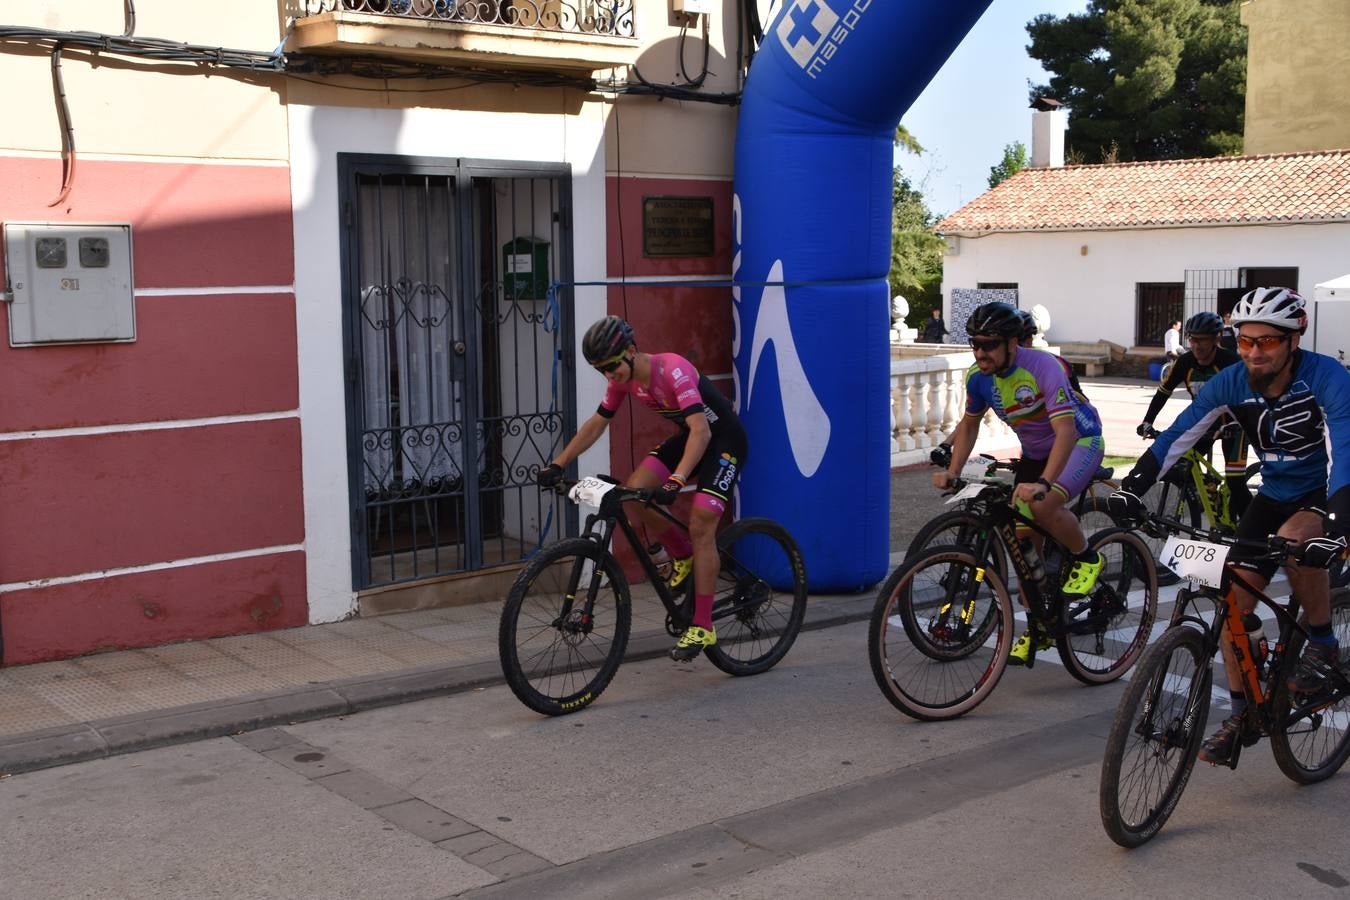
(108, 703)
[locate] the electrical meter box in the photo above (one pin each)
(525, 268)
(68, 283)
(693, 7)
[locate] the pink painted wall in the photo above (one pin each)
(77, 505)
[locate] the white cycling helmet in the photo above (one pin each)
(1278, 307)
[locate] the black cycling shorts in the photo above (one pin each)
(720, 466)
(1263, 518)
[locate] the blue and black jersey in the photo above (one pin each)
(1292, 434)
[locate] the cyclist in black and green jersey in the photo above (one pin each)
(1193, 368)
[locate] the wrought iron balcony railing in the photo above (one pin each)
(609, 17)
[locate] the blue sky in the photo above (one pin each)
(977, 104)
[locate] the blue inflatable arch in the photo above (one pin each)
(813, 210)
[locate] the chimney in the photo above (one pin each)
(1047, 133)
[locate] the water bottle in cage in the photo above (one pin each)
(662, 559)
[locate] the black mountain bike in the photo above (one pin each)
(965, 527)
(1161, 718)
(566, 621)
(943, 621)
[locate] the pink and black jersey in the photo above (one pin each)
(677, 389)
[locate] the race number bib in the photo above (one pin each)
(1199, 561)
(976, 467)
(589, 491)
(970, 490)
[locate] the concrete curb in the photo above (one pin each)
(113, 736)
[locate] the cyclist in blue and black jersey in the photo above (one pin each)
(1293, 405)
(1193, 368)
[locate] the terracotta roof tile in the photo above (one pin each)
(1288, 187)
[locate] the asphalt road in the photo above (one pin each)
(678, 782)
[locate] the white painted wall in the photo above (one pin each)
(317, 135)
(1086, 279)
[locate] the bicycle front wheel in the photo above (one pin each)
(564, 627)
(964, 529)
(1155, 737)
(1311, 736)
(940, 633)
(1106, 631)
(760, 598)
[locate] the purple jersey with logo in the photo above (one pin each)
(1029, 398)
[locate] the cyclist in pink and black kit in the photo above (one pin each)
(709, 444)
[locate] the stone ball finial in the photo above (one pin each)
(899, 308)
(1041, 315)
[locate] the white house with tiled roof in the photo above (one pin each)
(1115, 252)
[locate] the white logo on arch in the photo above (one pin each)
(808, 425)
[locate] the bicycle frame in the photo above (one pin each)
(1210, 488)
(1259, 718)
(600, 527)
(1005, 521)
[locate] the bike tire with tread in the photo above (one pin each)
(1102, 656)
(756, 623)
(1126, 826)
(904, 668)
(544, 677)
(1286, 744)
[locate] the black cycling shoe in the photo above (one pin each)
(1218, 748)
(1315, 667)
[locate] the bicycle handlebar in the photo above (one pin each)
(1274, 547)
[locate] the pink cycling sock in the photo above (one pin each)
(703, 611)
(676, 541)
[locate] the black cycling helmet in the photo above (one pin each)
(1029, 328)
(1204, 323)
(606, 340)
(996, 319)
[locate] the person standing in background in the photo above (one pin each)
(934, 328)
(1172, 341)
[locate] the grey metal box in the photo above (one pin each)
(69, 283)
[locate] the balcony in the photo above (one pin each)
(571, 36)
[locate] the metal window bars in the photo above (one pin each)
(613, 17)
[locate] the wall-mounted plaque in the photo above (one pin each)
(677, 226)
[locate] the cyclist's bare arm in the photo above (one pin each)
(586, 436)
(963, 441)
(1066, 438)
(700, 434)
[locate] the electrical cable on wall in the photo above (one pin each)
(67, 129)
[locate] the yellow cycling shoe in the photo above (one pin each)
(1020, 654)
(692, 643)
(1082, 577)
(679, 572)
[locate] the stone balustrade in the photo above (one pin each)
(928, 398)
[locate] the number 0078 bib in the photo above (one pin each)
(1199, 561)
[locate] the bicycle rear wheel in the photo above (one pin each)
(1155, 737)
(963, 529)
(760, 598)
(1175, 502)
(556, 654)
(932, 653)
(1107, 630)
(1311, 736)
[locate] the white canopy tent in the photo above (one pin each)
(1331, 318)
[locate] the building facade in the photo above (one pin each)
(360, 268)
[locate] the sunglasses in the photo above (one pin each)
(1265, 342)
(987, 344)
(605, 368)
